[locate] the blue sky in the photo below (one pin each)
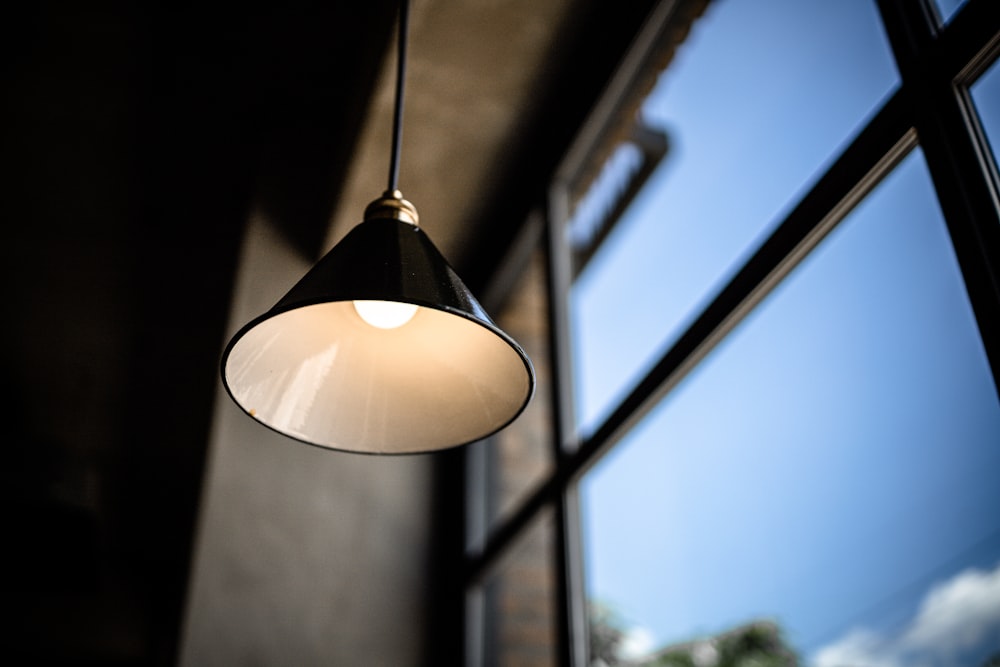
(832, 463)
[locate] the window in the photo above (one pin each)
(826, 465)
(757, 139)
(773, 417)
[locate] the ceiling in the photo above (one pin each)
(137, 138)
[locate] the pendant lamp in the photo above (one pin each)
(380, 347)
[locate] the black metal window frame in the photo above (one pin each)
(931, 107)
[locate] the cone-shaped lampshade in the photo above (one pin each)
(313, 369)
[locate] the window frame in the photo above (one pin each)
(938, 63)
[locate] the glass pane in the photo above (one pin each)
(825, 483)
(948, 8)
(756, 100)
(520, 456)
(986, 96)
(519, 599)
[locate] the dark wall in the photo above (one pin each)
(135, 138)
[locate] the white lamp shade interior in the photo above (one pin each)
(322, 374)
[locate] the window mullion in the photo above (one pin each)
(571, 602)
(959, 166)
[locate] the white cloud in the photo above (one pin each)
(858, 647)
(958, 615)
(637, 643)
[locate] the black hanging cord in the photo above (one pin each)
(397, 122)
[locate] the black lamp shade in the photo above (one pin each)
(313, 369)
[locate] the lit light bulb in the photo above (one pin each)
(385, 314)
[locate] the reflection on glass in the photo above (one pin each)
(986, 96)
(519, 600)
(756, 100)
(826, 481)
(520, 456)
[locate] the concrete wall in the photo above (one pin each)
(304, 556)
